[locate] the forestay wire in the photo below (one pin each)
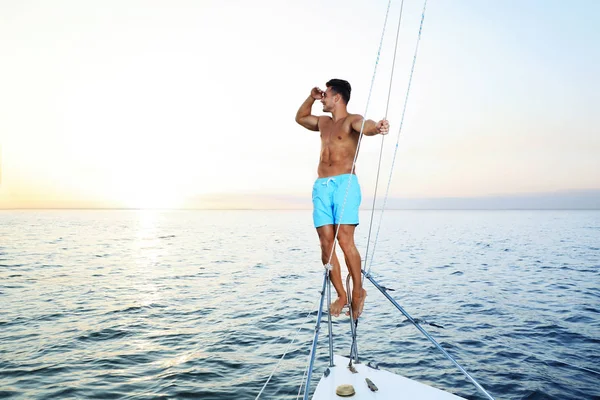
(362, 127)
(387, 106)
(412, 69)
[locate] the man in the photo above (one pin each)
(336, 193)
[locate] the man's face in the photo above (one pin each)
(328, 100)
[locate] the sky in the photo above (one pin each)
(191, 103)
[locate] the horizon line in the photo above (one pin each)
(299, 209)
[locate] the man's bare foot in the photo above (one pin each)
(337, 306)
(358, 304)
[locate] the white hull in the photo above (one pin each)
(391, 386)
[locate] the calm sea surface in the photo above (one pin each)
(202, 304)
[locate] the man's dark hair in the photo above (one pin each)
(341, 87)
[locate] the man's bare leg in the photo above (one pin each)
(352, 256)
(326, 235)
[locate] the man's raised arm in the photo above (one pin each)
(304, 116)
(371, 127)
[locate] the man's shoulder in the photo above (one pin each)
(352, 119)
(355, 117)
(324, 118)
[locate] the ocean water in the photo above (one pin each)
(202, 304)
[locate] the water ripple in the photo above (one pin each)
(157, 305)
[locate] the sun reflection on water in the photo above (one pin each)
(148, 252)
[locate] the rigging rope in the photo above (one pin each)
(286, 350)
(362, 127)
(412, 69)
(387, 106)
(303, 377)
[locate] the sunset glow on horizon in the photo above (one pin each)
(159, 104)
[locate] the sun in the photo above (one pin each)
(150, 198)
(149, 192)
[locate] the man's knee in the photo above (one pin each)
(326, 235)
(346, 240)
(326, 243)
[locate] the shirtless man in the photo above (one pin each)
(339, 139)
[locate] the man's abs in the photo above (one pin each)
(335, 161)
(338, 147)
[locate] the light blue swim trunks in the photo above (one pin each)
(328, 199)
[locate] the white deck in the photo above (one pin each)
(391, 386)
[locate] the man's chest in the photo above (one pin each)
(336, 133)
